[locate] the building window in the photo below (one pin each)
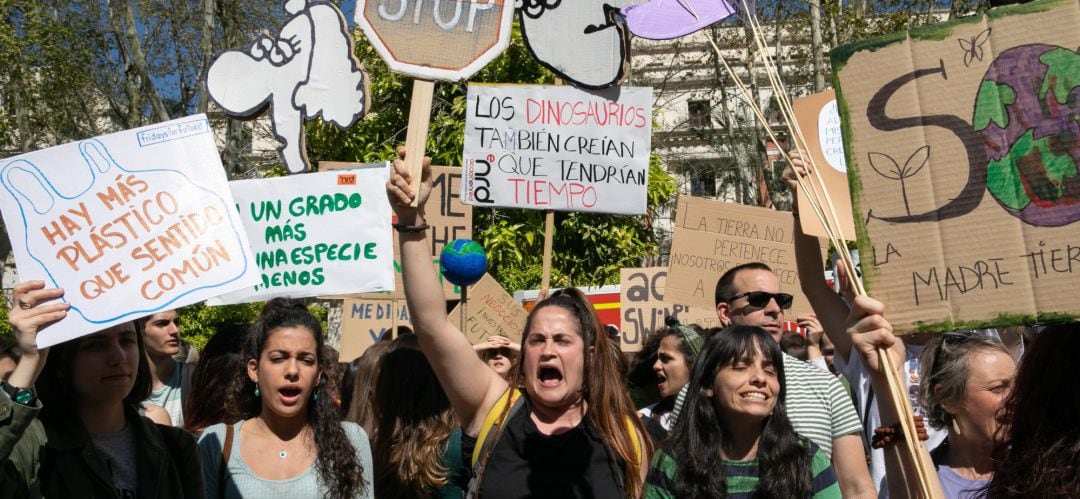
(699, 113)
(702, 183)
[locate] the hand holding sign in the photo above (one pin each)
(125, 242)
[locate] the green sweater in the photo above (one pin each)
(741, 477)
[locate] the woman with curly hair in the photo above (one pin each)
(563, 425)
(418, 446)
(733, 438)
(290, 441)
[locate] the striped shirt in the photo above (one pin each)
(740, 477)
(817, 404)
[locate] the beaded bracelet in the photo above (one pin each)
(885, 435)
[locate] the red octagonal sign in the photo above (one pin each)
(436, 39)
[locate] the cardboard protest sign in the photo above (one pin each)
(820, 123)
(962, 146)
(365, 322)
(642, 304)
(448, 217)
(436, 40)
(316, 234)
(128, 224)
(557, 148)
(582, 42)
(307, 70)
(712, 236)
(491, 311)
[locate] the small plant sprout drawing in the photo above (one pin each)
(887, 167)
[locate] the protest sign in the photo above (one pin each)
(491, 311)
(307, 69)
(820, 123)
(961, 144)
(365, 322)
(557, 148)
(712, 236)
(644, 308)
(582, 42)
(316, 234)
(433, 40)
(128, 224)
(448, 217)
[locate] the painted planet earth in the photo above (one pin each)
(463, 262)
(1027, 113)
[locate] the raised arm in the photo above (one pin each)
(829, 307)
(471, 387)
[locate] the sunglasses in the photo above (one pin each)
(760, 299)
(951, 339)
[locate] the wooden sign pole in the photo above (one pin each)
(549, 232)
(416, 135)
(464, 308)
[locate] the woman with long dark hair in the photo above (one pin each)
(217, 376)
(733, 437)
(85, 438)
(563, 425)
(290, 441)
(1038, 454)
(418, 445)
(670, 355)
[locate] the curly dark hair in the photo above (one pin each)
(338, 468)
(1038, 451)
(219, 373)
(700, 434)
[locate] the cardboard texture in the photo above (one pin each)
(963, 141)
(712, 236)
(316, 234)
(436, 40)
(820, 123)
(307, 70)
(491, 311)
(644, 309)
(128, 224)
(448, 217)
(563, 37)
(557, 148)
(365, 322)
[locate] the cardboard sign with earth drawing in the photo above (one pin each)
(963, 146)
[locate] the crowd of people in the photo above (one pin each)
(741, 410)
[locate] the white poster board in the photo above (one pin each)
(317, 234)
(128, 224)
(557, 148)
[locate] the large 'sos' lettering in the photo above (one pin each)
(968, 198)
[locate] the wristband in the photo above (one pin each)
(411, 228)
(21, 396)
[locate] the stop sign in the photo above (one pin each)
(436, 39)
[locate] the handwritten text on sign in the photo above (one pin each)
(317, 234)
(128, 224)
(557, 148)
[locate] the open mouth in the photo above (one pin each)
(549, 376)
(290, 394)
(611, 16)
(755, 396)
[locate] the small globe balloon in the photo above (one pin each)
(463, 262)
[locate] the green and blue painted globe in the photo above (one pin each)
(463, 262)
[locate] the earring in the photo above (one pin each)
(315, 397)
(256, 392)
(955, 426)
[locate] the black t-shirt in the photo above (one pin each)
(529, 464)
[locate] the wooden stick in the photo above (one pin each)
(549, 233)
(416, 135)
(464, 310)
(393, 318)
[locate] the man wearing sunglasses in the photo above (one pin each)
(817, 404)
